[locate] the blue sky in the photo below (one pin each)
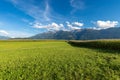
(23, 18)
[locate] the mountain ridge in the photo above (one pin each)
(81, 34)
(4, 37)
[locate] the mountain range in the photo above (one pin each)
(81, 34)
(4, 37)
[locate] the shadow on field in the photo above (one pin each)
(99, 48)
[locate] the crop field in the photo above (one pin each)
(58, 60)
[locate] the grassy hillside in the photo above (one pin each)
(56, 60)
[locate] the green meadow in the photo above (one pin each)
(57, 60)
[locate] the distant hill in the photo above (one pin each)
(67, 35)
(46, 35)
(4, 37)
(82, 34)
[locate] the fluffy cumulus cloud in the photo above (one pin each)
(56, 27)
(77, 24)
(50, 27)
(74, 25)
(106, 24)
(3, 32)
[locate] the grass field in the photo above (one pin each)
(56, 60)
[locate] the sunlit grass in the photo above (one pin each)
(56, 60)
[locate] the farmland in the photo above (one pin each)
(58, 60)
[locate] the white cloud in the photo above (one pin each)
(56, 27)
(39, 12)
(14, 34)
(77, 4)
(3, 33)
(77, 24)
(74, 25)
(47, 12)
(53, 26)
(106, 24)
(37, 25)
